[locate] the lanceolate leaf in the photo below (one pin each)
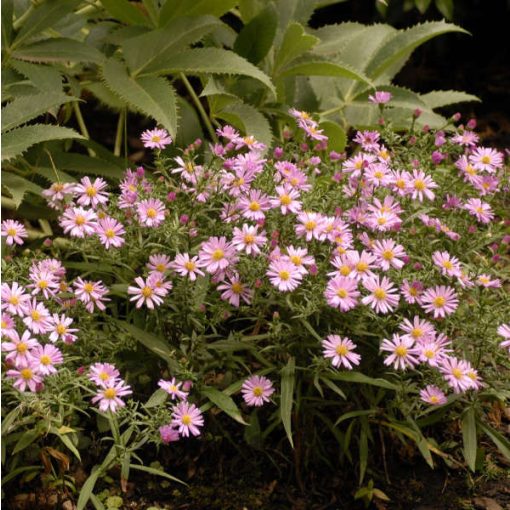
(358, 377)
(224, 402)
(26, 108)
(439, 98)
(42, 76)
(59, 50)
(147, 53)
(295, 43)
(469, 437)
(18, 140)
(288, 381)
(177, 8)
(125, 11)
(199, 61)
(151, 95)
(502, 442)
(17, 186)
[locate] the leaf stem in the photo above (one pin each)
(82, 125)
(199, 107)
(118, 134)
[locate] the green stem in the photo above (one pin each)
(82, 125)
(332, 110)
(18, 22)
(199, 107)
(118, 134)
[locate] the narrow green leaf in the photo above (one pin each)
(177, 8)
(125, 11)
(332, 386)
(469, 437)
(157, 472)
(15, 472)
(59, 50)
(358, 377)
(66, 440)
(502, 442)
(439, 98)
(17, 141)
(87, 489)
(355, 414)
(27, 438)
(224, 402)
(87, 165)
(151, 95)
(17, 186)
(295, 43)
(363, 448)
(158, 398)
(288, 381)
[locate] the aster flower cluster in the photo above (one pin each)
(110, 387)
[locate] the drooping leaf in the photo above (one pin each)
(26, 439)
(148, 52)
(295, 42)
(125, 11)
(177, 8)
(439, 98)
(502, 442)
(224, 402)
(288, 381)
(157, 472)
(17, 141)
(151, 95)
(59, 50)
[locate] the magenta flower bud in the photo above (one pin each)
(440, 139)
(315, 160)
(187, 385)
(412, 140)
(415, 163)
(426, 128)
(471, 124)
(417, 113)
(335, 156)
(437, 157)
(406, 259)
(183, 219)
(218, 149)
(304, 147)
(202, 308)
(226, 315)
(276, 316)
(381, 121)
(275, 234)
(171, 196)
(258, 283)
(456, 117)
(47, 242)
(494, 246)
(197, 143)
(417, 266)
(140, 172)
(80, 370)
(506, 239)
(228, 164)
(472, 229)
(313, 269)
(321, 146)
(39, 387)
(273, 243)
(278, 152)
(229, 146)
(338, 211)
(337, 176)
(496, 258)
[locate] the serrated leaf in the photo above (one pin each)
(288, 381)
(148, 52)
(293, 10)
(43, 17)
(177, 8)
(224, 402)
(105, 95)
(158, 398)
(26, 108)
(333, 37)
(42, 76)
(87, 165)
(295, 42)
(256, 38)
(18, 186)
(18, 140)
(469, 437)
(439, 98)
(151, 95)
(199, 61)
(125, 11)
(59, 50)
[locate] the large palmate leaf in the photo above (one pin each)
(42, 77)
(176, 8)
(151, 95)
(148, 52)
(295, 43)
(18, 186)
(59, 50)
(126, 12)
(199, 61)
(439, 98)
(17, 141)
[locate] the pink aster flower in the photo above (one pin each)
(248, 239)
(411, 291)
(91, 294)
(433, 395)
(369, 140)
(156, 138)
(233, 290)
(146, 293)
(380, 97)
(342, 292)
(313, 132)
(504, 331)
(168, 434)
(449, 265)
(103, 374)
(216, 254)
(109, 395)
(20, 349)
(340, 350)
(465, 138)
(110, 232)
(14, 232)
(287, 199)
(254, 205)
(343, 266)
(421, 185)
(187, 418)
(485, 280)
(440, 301)
(91, 194)
(433, 351)
(481, 210)
(60, 330)
(455, 372)
(8, 325)
(14, 298)
(378, 174)
(26, 376)
(78, 222)
(58, 194)
(311, 226)
(159, 263)
(43, 282)
(151, 212)
(284, 275)
(403, 354)
(419, 329)
(173, 389)
(45, 358)
(389, 254)
(186, 266)
(383, 297)
(485, 159)
(257, 390)
(37, 317)
(300, 258)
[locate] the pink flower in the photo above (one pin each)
(340, 351)
(216, 254)
(384, 296)
(287, 199)
(173, 389)
(284, 275)
(186, 266)
(45, 358)
(312, 131)
(8, 325)
(59, 329)
(485, 280)
(248, 239)
(151, 212)
(78, 222)
(433, 351)
(110, 232)
(168, 434)
(481, 210)
(91, 294)
(159, 263)
(43, 282)
(38, 318)
(419, 330)
(156, 138)
(187, 418)
(421, 186)
(14, 232)
(103, 374)
(342, 292)
(455, 372)
(449, 266)
(109, 395)
(234, 290)
(361, 264)
(91, 194)
(257, 390)
(14, 298)
(389, 254)
(400, 182)
(58, 194)
(433, 395)
(147, 293)
(311, 226)
(440, 301)
(367, 139)
(20, 349)
(254, 205)
(411, 291)
(380, 97)
(485, 159)
(504, 331)
(300, 258)
(403, 354)
(26, 376)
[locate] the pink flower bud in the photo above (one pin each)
(471, 124)
(183, 219)
(171, 196)
(278, 152)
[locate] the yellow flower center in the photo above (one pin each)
(45, 360)
(361, 267)
(413, 291)
(11, 231)
(190, 266)
(358, 165)
(448, 265)
(381, 220)
(26, 373)
(388, 255)
(457, 373)
(22, 348)
(239, 182)
(470, 170)
(258, 391)
(296, 260)
(146, 292)
(110, 393)
(61, 329)
(378, 175)
(80, 220)
(294, 181)
(285, 199)
(401, 351)
(419, 184)
(88, 288)
(91, 191)
(160, 268)
(237, 288)
(379, 293)
(109, 233)
(13, 300)
(486, 160)
(155, 139)
(254, 206)
(42, 284)
(400, 183)
(284, 275)
(310, 225)
(151, 212)
(104, 376)
(416, 332)
(173, 388)
(434, 399)
(36, 316)
(4, 324)
(439, 301)
(341, 350)
(342, 293)
(345, 270)
(429, 353)
(249, 239)
(218, 254)
(186, 419)
(58, 187)
(483, 279)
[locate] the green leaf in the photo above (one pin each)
(502, 442)
(43, 17)
(422, 5)
(66, 440)
(17, 186)
(59, 50)
(224, 402)
(355, 414)
(295, 43)
(18, 140)
(363, 448)
(358, 377)
(199, 61)
(87, 165)
(26, 108)
(7, 12)
(404, 42)
(176, 8)
(248, 119)
(125, 11)
(445, 7)
(189, 124)
(15, 472)
(157, 472)
(337, 138)
(158, 398)
(43, 77)
(148, 52)
(288, 381)
(151, 95)
(332, 386)
(439, 98)
(26, 439)
(87, 489)
(105, 95)
(256, 38)
(469, 437)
